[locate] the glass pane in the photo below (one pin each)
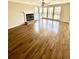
(57, 12)
(36, 15)
(50, 12)
(40, 11)
(45, 12)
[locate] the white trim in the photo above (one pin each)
(24, 2)
(36, 4)
(60, 3)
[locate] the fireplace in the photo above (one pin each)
(29, 17)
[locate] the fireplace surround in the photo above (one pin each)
(30, 17)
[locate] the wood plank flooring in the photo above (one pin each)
(44, 39)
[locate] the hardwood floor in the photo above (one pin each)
(44, 39)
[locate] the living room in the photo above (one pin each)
(38, 29)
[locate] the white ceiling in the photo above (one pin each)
(38, 2)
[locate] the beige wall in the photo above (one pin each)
(15, 13)
(65, 12)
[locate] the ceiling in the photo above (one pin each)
(38, 2)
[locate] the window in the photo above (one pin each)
(50, 12)
(36, 15)
(40, 12)
(57, 12)
(45, 12)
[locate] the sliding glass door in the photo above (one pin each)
(57, 12)
(40, 12)
(45, 12)
(36, 14)
(50, 12)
